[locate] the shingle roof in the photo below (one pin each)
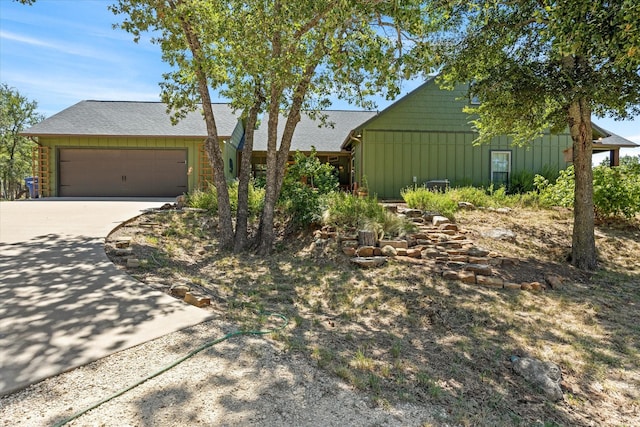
(605, 138)
(126, 118)
(312, 132)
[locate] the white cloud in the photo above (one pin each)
(60, 47)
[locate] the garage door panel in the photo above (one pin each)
(122, 172)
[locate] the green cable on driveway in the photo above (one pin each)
(176, 363)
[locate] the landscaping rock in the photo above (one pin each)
(365, 251)
(414, 253)
(348, 251)
(478, 260)
(369, 262)
(450, 275)
(412, 213)
(503, 210)
(511, 285)
(555, 282)
(449, 227)
(123, 242)
(544, 375)
(431, 253)
(466, 205)
(482, 269)
(500, 234)
(494, 282)
(477, 252)
(451, 244)
(124, 251)
(388, 250)
(467, 276)
(456, 264)
(439, 220)
(197, 300)
(133, 263)
(536, 286)
(394, 243)
(179, 290)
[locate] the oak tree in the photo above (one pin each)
(276, 57)
(542, 64)
(16, 114)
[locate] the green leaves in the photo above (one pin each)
(16, 114)
(514, 52)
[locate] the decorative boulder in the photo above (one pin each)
(544, 375)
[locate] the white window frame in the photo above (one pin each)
(508, 152)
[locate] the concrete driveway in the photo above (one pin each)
(62, 302)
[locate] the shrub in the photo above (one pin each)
(306, 181)
(426, 200)
(388, 224)
(521, 182)
(559, 193)
(208, 199)
(346, 211)
(204, 199)
(550, 173)
(616, 191)
(477, 196)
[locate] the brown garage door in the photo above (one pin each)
(125, 173)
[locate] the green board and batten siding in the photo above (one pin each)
(427, 136)
(57, 143)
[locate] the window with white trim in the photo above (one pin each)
(500, 168)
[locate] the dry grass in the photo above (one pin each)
(400, 333)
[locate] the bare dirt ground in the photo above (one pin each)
(395, 345)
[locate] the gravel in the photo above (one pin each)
(245, 381)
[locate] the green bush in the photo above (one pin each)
(550, 173)
(306, 182)
(208, 199)
(427, 200)
(521, 182)
(477, 196)
(388, 224)
(559, 194)
(204, 199)
(346, 211)
(616, 191)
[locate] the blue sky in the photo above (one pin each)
(59, 52)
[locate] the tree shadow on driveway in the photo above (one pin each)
(64, 304)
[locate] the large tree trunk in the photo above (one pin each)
(583, 253)
(212, 144)
(242, 216)
(266, 233)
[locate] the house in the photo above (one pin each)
(425, 136)
(123, 149)
(131, 149)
